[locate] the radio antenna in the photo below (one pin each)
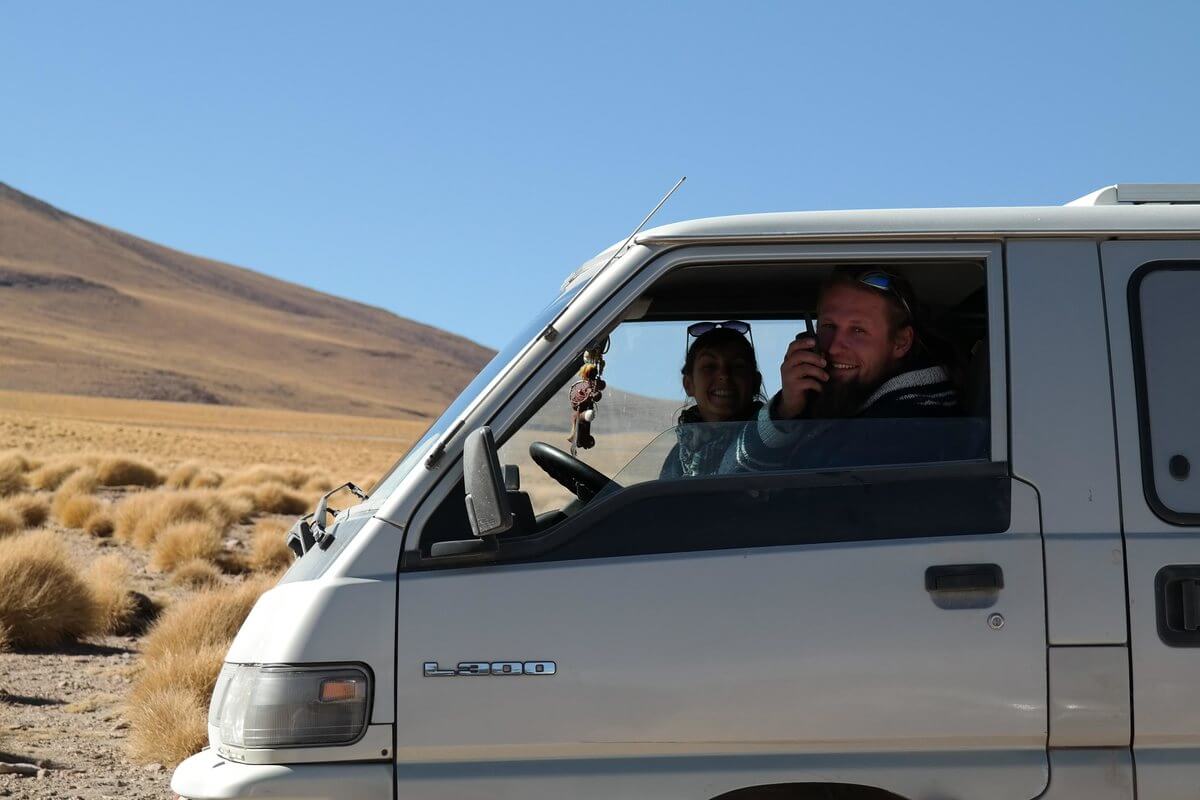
(642, 224)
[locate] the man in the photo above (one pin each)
(867, 363)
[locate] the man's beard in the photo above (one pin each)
(841, 399)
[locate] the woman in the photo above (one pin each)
(720, 373)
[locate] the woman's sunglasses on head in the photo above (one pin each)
(701, 328)
(698, 329)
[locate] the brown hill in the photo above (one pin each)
(86, 309)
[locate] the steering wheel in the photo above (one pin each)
(576, 476)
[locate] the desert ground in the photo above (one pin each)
(85, 708)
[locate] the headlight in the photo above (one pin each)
(280, 705)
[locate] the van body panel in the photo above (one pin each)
(1166, 692)
(926, 223)
(330, 620)
(1062, 437)
(710, 656)
(914, 776)
(207, 776)
(1093, 773)
(1089, 697)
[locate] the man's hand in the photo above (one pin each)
(802, 372)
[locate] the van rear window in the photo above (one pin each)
(1164, 297)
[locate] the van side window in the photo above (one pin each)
(688, 445)
(1163, 298)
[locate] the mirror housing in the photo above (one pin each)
(486, 495)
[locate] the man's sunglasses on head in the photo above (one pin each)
(884, 282)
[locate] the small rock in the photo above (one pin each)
(43, 773)
(120, 726)
(155, 767)
(63, 684)
(232, 544)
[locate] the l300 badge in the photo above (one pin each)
(432, 670)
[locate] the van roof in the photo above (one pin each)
(1158, 210)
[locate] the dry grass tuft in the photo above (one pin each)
(193, 475)
(43, 600)
(84, 480)
(131, 510)
(291, 477)
(51, 474)
(100, 524)
(209, 617)
(140, 518)
(18, 460)
(10, 522)
(122, 471)
(276, 498)
(194, 672)
(167, 726)
(268, 547)
(12, 475)
(34, 510)
(240, 501)
(318, 484)
(196, 573)
(183, 655)
(180, 542)
(108, 580)
(74, 511)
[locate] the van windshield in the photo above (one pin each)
(493, 369)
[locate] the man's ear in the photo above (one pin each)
(687, 385)
(902, 342)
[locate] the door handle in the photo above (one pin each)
(1177, 601)
(964, 578)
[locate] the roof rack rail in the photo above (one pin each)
(1137, 193)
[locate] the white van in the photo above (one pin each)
(1013, 612)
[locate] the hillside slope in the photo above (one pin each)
(85, 309)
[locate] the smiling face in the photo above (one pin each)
(856, 336)
(722, 380)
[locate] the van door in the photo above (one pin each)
(1152, 292)
(880, 627)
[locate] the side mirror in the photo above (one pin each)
(486, 497)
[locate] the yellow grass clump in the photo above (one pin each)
(12, 474)
(167, 726)
(180, 542)
(122, 471)
(268, 547)
(183, 655)
(19, 460)
(141, 517)
(276, 498)
(193, 475)
(43, 600)
(33, 509)
(100, 524)
(318, 484)
(10, 522)
(108, 580)
(76, 510)
(209, 617)
(51, 474)
(196, 573)
(291, 477)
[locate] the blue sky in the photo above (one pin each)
(453, 162)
